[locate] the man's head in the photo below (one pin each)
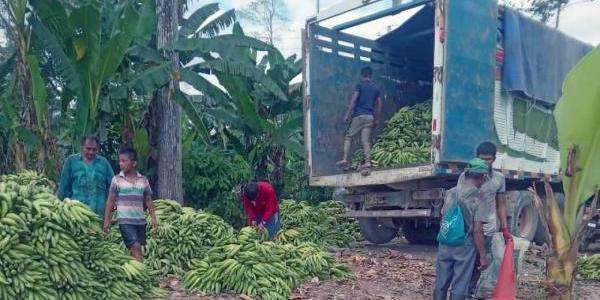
(90, 145)
(476, 171)
(487, 152)
(366, 72)
(251, 191)
(127, 159)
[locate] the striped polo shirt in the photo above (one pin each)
(130, 198)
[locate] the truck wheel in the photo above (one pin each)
(540, 238)
(374, 232)
(525, 218)
(421, 234)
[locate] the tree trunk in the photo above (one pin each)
(167, 113)
(28, 117)
(279, 167)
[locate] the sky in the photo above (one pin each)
(579, 20)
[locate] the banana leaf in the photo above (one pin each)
(62, 62)
(193, 22)
(40, 95)
(577, 115)
(218, 24)
(146, 25)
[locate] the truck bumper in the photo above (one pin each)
(400, 213)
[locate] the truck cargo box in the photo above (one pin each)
(448, 52)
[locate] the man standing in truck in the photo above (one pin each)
(493, 193)
(364, 113)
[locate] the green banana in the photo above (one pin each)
(588, 267)
(52, 249)
(405, 140)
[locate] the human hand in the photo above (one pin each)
(253, 223)
(483, 263)
(106, 227)
(261, 227)
(506, 234)
(347, 119)
(155, 224)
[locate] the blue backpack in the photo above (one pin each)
(452, 228)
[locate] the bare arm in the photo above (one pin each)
(110, 203)
(150, 206)
(479, 239)
(501, 209)
(352, 105)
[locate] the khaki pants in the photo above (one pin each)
(364, 125)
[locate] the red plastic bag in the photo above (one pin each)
(506, 289)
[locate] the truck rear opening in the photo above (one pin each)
(492, 74)
(403, 67)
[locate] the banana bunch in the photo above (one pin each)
(288, 236)
(588, 267)
(52, 249)
(256, 267)
(28, 178)
(183, 235)
(405, 140)
(167, 210)
(324, 224)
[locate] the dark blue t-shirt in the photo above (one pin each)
(367, 96)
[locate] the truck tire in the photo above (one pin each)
(374, 232)
(525, 218)
(540, 237)
(421, 235)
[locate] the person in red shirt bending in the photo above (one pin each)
(262, 207)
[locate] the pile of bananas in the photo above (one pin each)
(405, 140)
(183, 234)
(324, 224)
(588, 267)
(256, 267)
(52, 249)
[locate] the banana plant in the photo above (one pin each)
(202, 53)
(30, 121)
(263, 123)
(576, 117)
(88, 43)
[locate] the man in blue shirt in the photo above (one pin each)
(363, 114)
(86, 176)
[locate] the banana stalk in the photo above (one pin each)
(561, 262)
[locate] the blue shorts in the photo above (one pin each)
(133, 234)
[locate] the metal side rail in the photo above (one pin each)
(399, 213)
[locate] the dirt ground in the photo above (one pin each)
(397, 270)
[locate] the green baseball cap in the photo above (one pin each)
(478, 165)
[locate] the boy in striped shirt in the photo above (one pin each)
(130, 190)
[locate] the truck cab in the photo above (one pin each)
(452, 54)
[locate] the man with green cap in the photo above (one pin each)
(493, 193)
(455, 263)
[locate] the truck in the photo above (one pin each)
(454, 53)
